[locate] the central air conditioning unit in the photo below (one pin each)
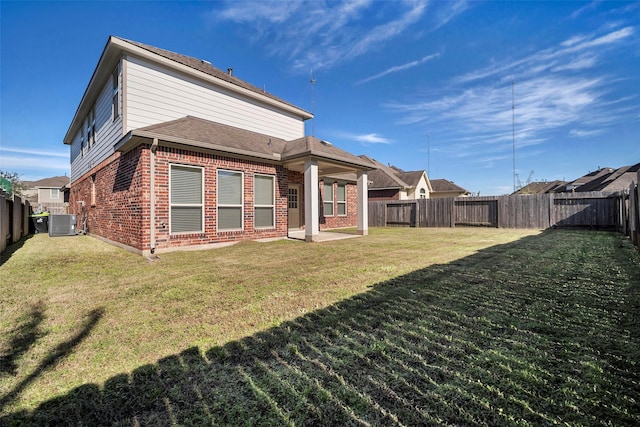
(62, 225)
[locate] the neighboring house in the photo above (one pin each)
(444, 188)
(541, 187)
(605, 179)
(47, 194)
(169, 152)
(392, 183)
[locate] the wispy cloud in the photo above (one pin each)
(551, 93)
(372, 138)
(556, 59)
(63, 154)
(399, 68)
(580, 133)
(365, 138)
(10, 163)
(316, 35)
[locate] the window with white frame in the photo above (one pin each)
(91, 129)
(230, 200)
(423, 193)
(115, 99)
(327, 200)
(265, 208)
(87, 124)
(82, 141)
(186, 199)
(54, 193)
(342, 199)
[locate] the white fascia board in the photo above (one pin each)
(103, 70)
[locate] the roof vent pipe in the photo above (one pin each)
(230, 71)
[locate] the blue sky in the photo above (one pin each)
(416, 84)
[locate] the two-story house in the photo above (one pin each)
(169, 152)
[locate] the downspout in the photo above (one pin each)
(152, 213)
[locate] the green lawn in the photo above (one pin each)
(463, 326)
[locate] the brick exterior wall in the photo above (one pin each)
(340, 221)
(116, 196)
(113, 194)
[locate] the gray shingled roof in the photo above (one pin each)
(607, 179)
(216, 136)
(196, 132)
(412, 177)
(542, 187)
(383, 176)
(53, 182)
(442, 185)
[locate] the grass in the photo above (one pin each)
(402, 327)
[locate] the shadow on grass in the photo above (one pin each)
(536, 332)
(26, 337)
(13, 248)
(23, 337)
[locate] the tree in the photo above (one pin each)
(17, 186)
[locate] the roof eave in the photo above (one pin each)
(107, 60)
(137, 137)
(325, 156)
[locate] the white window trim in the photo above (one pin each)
(341, 202)
(57, 196)
(272, 206)
(201, 205)
(241, 205)
(116, 89)
(332, 201)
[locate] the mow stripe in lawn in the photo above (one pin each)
(542, 330)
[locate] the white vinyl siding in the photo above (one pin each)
(264, 187)
(342, 199)
(107, 133)
(156, 94)
(230, 200)
(186, 196)
(327, 200)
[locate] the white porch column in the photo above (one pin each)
(311, 208)
(363, 204)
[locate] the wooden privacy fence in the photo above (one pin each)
(577, 210)
(14, 219)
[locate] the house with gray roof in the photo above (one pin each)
(392, 183)
(605, 179)
(169, 152)
(47, 194)
(542, 187)
(443, 188)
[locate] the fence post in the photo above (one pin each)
(632, 213)
(452, 221)
(636, 209)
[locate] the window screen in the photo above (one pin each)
(327, 200)
(342, 199)
(264, 201)
(230, 194)
(186, 199)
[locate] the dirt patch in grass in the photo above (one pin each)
(405, 326)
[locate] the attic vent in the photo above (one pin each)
(204, 61)
(327, 143)
(230, 71)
